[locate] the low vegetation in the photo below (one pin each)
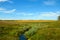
(11, 30)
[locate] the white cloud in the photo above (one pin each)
(10, 11)
(6, 1)
(41, 14)
(33, 0)
(26, 14)
(50, 2)
(3, 0)
(2, 10)
(49, 14)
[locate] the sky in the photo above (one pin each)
(29, 9)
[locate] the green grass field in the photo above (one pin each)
(9, 30)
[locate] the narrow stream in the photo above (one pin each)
(23, 37)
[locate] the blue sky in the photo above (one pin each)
(29, 9)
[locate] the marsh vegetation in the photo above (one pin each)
(9, 30)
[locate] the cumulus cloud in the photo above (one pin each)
(2, 10)
(50, 2)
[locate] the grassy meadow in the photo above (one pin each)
(39, 29)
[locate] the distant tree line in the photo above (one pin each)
(58, 17)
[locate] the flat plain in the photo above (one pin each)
(38, 29)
